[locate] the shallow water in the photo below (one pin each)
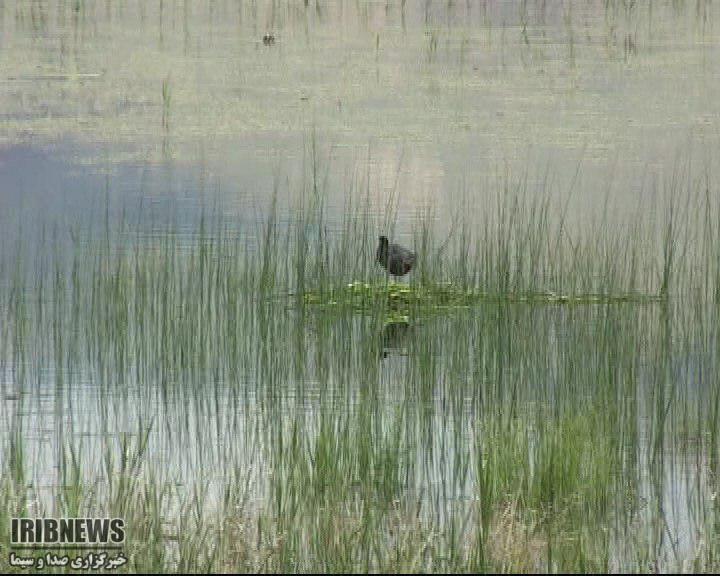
(451, 95)
(155, 115)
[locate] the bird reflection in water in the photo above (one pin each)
(395, 337)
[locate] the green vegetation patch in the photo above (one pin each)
(401, 296)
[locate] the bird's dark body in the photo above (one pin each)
(394, 258)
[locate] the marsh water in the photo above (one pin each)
(145, 125)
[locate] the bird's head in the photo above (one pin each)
(382, 250)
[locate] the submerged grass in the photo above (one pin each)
(531, 400)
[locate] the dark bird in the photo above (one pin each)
(269, 39)
(394, 258)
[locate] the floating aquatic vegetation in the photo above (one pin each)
(401, 296)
